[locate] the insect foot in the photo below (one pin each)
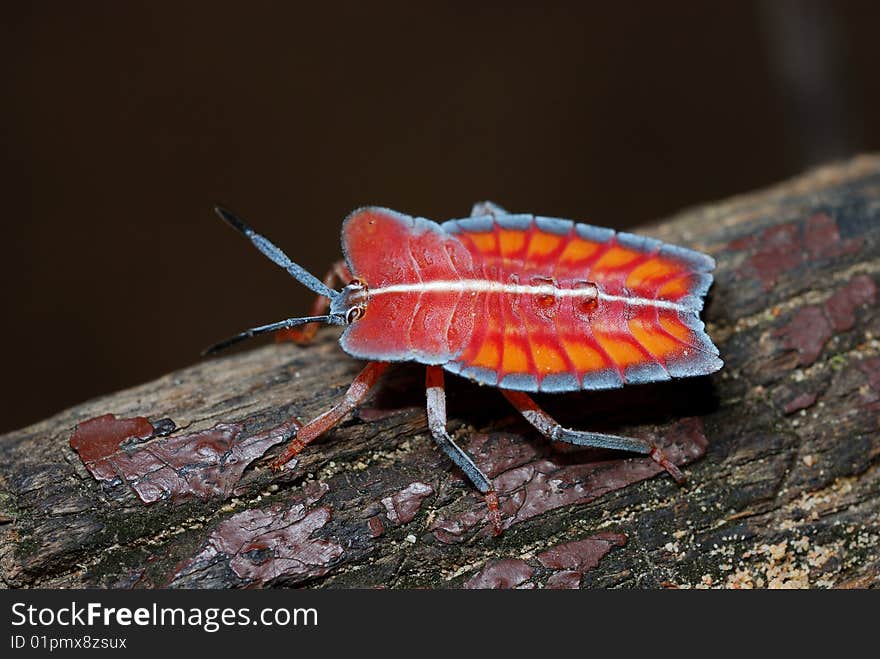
(494, 513)
(660, 458)
(290, 452)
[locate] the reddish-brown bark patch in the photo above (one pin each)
(261, 545)
(568, 561)
(784, 247)
(871, 368)
(565, 580)
(802, 402)
(496, 455)
(822, 238)
(198, 465)
(581, 555)
(101, 436)
(548, 483)
(871, 397)
(841, 306)
(506, 573)
(777, 251)
(812, 326)
(377, 528)
(807, 334)
(403, 506)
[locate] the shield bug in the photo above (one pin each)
(515, 301)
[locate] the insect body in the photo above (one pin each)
(515, 301)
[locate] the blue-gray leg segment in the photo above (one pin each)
(436, 395)
(551, 429)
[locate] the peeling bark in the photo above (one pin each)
(782, 449)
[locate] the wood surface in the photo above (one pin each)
(781, 449)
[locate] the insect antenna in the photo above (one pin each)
(264, 329)
(275, 254)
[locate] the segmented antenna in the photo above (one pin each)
(274, 254)
(264, 329)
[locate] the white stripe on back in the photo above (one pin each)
(489, 286)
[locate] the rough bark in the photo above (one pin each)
(782, 446)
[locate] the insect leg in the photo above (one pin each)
(436, 395)
(338, 273)
(551, 429)
(355, 395)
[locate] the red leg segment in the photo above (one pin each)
(355, 395)
(305, 334)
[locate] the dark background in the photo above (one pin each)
(123, 123)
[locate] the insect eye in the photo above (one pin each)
(354, 314)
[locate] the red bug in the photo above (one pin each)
(516, 301)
